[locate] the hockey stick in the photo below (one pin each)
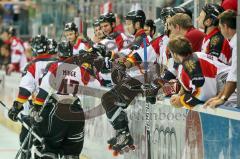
(25, 125)
(147, 105)
(85, 36)
(27, 140)
(23, 144)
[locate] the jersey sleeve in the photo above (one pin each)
(47, 84)
(27, 84)
(192, 80)
(232, 75)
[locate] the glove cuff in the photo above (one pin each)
(17, 105)
(37, 107)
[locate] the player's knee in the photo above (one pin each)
(107, 101)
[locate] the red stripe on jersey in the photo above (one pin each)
(40, 100)
(155, 44)
(22, 97)
(16, 67)
(77, 43)
(85, 76)
(87, 45)
(31, 68)
(53, 68)
(185, 79)
(139, 33)
(44, 56)
(18, 52)
(208, 69)
(213, 32)
(119, 42)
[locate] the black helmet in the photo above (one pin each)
(212, 11)
(166, 12)
(108, 17)
(52, 46)
(96, 23)
(39, 44)
(136, 16)
(71, 27)
(65, 49)
(181, 10)
(150, 23)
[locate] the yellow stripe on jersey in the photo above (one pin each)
(21, 100)
(36, 102)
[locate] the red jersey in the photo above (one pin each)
(80, 45)
(116, 41)
(195, 37)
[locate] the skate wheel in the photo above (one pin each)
(121, 152)
(115, 153)
(126, 149)
(110, 147)
(132, 147)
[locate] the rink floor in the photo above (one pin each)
(9, 143)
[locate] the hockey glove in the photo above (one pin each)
(34, 114)
(15, 110)
(152, 90)
(118, 73)
(171, 87)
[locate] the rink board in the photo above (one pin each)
(175, 133)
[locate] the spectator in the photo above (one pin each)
(181, 24)
(119, 23)
(5, 56)
(201, 75)
(214, 42)
(228, 28)
(18, 57)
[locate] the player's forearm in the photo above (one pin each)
(229, 88)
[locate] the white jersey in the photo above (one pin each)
(31, 77)
(65, 78)
(202, 76)
(80, 45)
(232, 76)
(117, 42)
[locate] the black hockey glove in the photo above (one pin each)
(152, 90)
(85, 57)
(15, 110)
(118, 73)
(34, 114)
